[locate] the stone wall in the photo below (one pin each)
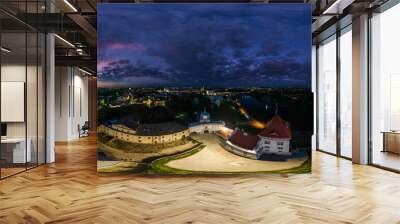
(130, 137)
(228, 146)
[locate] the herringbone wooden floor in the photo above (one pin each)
(70, 191)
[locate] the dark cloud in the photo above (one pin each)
(205, 45)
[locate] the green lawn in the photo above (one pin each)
(304, 168)
(131, 167)
(159, 166)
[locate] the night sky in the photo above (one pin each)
(204, 45)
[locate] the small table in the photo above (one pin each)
(391, 141)
(13, 150)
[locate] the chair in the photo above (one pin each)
(84, 130)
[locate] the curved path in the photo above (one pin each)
(214, 158)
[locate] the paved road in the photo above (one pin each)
(216, 159)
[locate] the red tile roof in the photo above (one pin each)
(276, 128)
(244, 140)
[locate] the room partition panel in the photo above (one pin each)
(345, 93)
(327, 78)
(385, 87)
(247, 107)
(334, 94)
(22, 77)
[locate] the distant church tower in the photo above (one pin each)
(204, 116)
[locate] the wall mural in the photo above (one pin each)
(204, 88)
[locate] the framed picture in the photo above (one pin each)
(204, 88)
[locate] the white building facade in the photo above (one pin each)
(205, 124)
(210, 127)
(274, 139)
(267, 145)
